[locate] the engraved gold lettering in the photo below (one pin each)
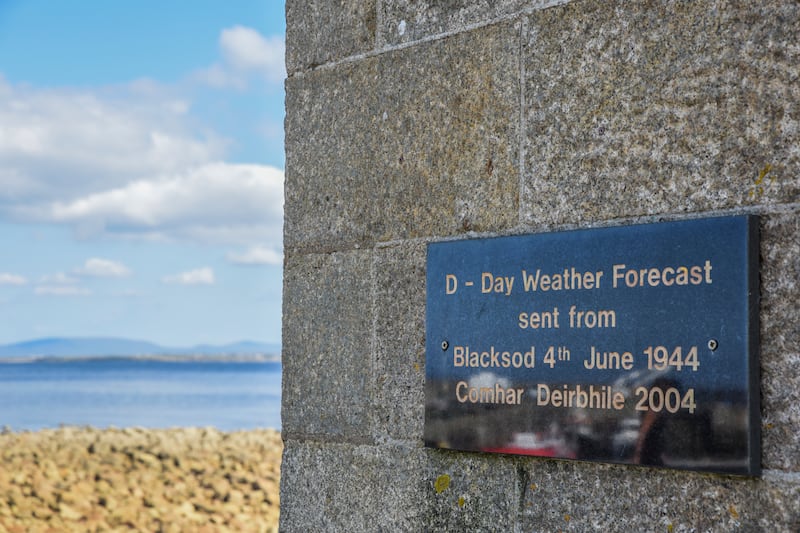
(497, 394)
(498, 284)
(668, 276)
(538, 319)
(493, 358)
(608, 360)
(451, 284)
(590, 319)
(569, 279)
(595, 397)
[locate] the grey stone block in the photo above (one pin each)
(780, 340)
(319, 31)
(400, 340)
(334, 487)
(395, 488)
(404, 21)
(471, 492)
(410, 143)
(641, 108)
(573, 496)
(327, 346)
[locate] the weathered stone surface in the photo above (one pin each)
(394, 488)
(354, 488)
(573, 496)
(327, 345)
(411, 143)
(780, 340)
(471, 492)
(319, 31)
(400, 339)
(638, 108)
(403, 21)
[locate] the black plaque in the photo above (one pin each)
(634, 344)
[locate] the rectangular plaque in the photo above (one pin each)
(633, 344)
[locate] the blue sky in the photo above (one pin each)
(141, 170)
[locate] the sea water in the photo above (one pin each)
(140, 393)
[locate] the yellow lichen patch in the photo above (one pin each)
(759, 183)
(733, 512)
(763, 174)
(461, 501)
(567, 518)
(670, 528)
(441, 484)
(533, 486)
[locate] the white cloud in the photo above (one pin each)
(61, 290)
(257, 255)
(246, 49)
(12, 279)
(246, 53)
(218, 202)
(103, 268)
(220, 77)
(64, 143)
(60, 284)
(132, 162)
(59, 278)
(200, 276)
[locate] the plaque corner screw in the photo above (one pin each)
(445, 345)
(713, 344)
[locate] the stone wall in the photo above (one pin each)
(409, 122)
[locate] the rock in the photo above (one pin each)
(80, 479)
(68, 512)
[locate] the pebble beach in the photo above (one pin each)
(160, 480)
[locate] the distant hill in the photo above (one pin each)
(71, 347)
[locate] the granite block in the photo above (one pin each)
(320, 31)
(352, 488)
(470, 492)
(400, 340)
(573, 496)
(642, 108)
(403, 21)
(410, 143)
(327, 345)
(780, 340)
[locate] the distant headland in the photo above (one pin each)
(81, 348)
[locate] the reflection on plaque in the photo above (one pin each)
(634, 344)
